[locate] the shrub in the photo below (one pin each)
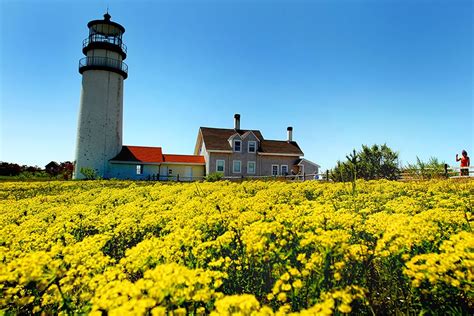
(215, 176)
(89, 173)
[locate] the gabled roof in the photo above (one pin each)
(302, 160)
(140, 154)
(218, 139)
(184, 159)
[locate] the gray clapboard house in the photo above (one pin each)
(246, 153)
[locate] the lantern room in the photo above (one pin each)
(104, 47)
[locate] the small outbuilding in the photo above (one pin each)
(149, 163)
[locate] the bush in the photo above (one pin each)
(89, 173)
(426, 170)
(212, 177)
(370, 163)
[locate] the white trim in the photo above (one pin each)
(233, 145)
(199, 142)
(277, 168)
(302, 170)
(281, 170)
(248, 147)
(219, 151)
(233, 166)
(273, 154)
(309, 162)
(244, 135)
(233, 136)
(217, 165)
(254, 167)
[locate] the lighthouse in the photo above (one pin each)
(99, 132)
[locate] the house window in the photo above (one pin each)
(139, 169)
(236, 166)
(252, 146)
(251, 167)
(284, 170)
(237, 145)
(274, 170)
(170, 172)
(220, 164)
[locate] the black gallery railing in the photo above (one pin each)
(103, 62)
(99, 38)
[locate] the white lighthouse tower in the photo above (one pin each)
(99, 132)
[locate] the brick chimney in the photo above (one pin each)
(237, 121)
(290, 133)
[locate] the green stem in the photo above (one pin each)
(65, 304)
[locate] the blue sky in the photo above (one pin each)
(342, 73)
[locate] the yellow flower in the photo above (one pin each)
(282, 297)
(344, 308)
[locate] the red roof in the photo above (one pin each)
(184, 159)
(140, 154)
(154, 155)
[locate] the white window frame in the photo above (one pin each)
(139, 169)
(254, 167)
(233, 166)
(281, 170)
(255, 146)
(235, 142)
(277, 169)
(223, 165)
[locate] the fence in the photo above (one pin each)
(406, 175)
(302, 177)
(429, 173)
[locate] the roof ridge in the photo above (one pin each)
(141, 146)
(231, 129)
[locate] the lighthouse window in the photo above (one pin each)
(139, 169)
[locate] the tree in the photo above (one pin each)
(376, 162)
(66, 168)
(52, 168)
(9, 169)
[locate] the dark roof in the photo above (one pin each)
(279, 147)
(218, 139)
(106, 20)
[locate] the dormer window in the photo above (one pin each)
(237, 145)
(252, 146)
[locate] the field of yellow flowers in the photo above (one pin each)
(250, 248)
